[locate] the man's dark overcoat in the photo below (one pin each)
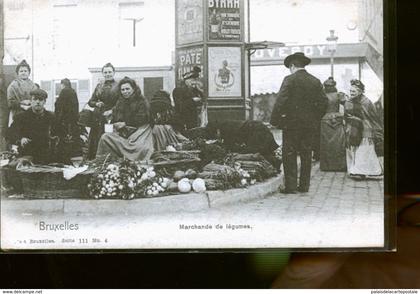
(301, 102)
(300, 105)
(39, 128)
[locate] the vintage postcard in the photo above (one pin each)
(199, 124)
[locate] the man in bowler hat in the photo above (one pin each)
(33, 130)
(300, 105)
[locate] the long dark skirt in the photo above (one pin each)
(333, 143)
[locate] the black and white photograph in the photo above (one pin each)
(205, 124)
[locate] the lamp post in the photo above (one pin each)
(332, 48)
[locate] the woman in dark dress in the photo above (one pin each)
(103, 100)
(132, 136)
(333, 141)
(67, 116)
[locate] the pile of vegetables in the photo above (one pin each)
(126, 180)
(216, 170)
(210, 151)
(258, 168)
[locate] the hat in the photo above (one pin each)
(39, 93)
(330, 82)
(195, 73)
(22, 63)
(298, 56)
(358, 84)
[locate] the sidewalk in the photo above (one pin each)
(334, 195)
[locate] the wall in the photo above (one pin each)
(70, 36)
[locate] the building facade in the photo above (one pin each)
(66, 38)
(74, 38)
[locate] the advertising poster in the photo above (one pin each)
(186, 59)
(190, 21)
(224, 72)
(224, 20)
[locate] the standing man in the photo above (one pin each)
(300, 105)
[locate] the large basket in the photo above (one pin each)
(169, 167)
(48, 182)
(187, 160)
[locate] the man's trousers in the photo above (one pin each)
(297, 142)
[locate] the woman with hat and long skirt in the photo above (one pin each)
(333, 140)
(363, 131)
(18, 92)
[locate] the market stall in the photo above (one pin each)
(193, 166)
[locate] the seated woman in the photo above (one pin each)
(136, 135)
(132, 135)
(164, 123)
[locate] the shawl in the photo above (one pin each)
(18, 91)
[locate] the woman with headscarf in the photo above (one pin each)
(132, 136)
(67, 116)
(18, 97)
(103, 100)
(363, 130)
(333, 141)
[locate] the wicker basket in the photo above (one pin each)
(168, 168)
(48, 182)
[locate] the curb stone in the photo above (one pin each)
(191, 202)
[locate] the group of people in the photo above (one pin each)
(35, 132)
(346, 132)
(120, 121)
